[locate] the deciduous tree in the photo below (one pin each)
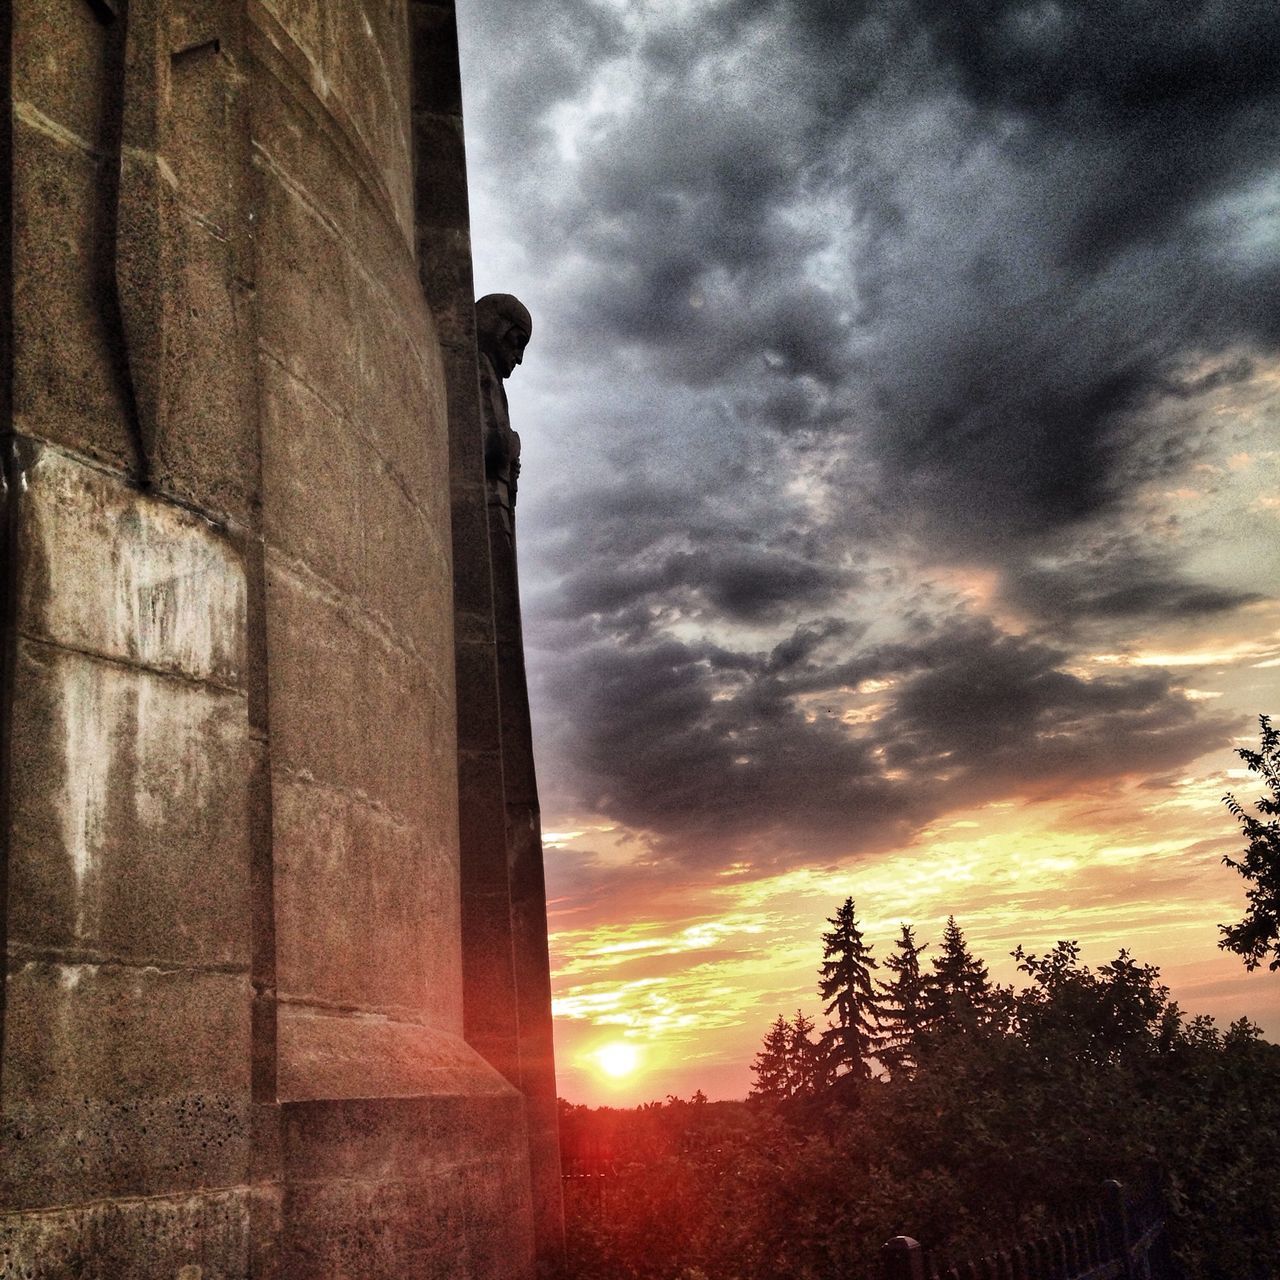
(1257, 936)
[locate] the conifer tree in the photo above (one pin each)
(904, 1010)
(806, 1060)
(959, 987)
(772, 1064)
(849, 990)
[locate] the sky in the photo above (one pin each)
(899, 514)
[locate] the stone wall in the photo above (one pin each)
(233, 1028)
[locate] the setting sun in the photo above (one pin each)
(617, 1059)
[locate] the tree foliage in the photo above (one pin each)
(1257, 936)
(772, 1065)
(1009, 1120)
(904, 1005)
(959, 987)
(849, 992)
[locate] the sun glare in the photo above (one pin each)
(617, 1059)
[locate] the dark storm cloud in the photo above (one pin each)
(737, 583)
(720, 760)
(908, 279)
(1128, 585)
(1031, 245)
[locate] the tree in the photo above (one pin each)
(772, 1065)
(1072, 1014)
(806, 1059)
(904, 1008)
(1257, 936)
(849, 990)
(959, 988)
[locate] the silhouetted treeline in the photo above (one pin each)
(938, 1104)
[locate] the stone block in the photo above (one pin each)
(318, 712)
(479, 727)
(402, 701)
(266, 1231)
(325, 1056)
(365, 50)
(129, 823)
(189, 1237)
(399, 405)
(496, 1195)
(107, 570)
(302, 21)
(482, 824)
(200, 146)
(407, 572)
(306, 316)
(311, 480)
(365, 906)
(64, 65)
(377, 1231)
(472, 575)
(122, 1081)
(379, 1187)
(444, 265)
(205, 449)
(69, 370)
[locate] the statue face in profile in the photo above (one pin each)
(509, 349)
(503, 330)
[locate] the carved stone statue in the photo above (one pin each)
(503, 329)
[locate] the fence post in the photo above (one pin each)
(1116, 1213)
(902, 1258)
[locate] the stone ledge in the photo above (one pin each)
(323, 1057)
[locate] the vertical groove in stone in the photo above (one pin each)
(7, 491)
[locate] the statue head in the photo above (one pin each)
(503, 330)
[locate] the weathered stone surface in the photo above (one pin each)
(453, 1176)
(69, 383)
(328, 1055)
(484, 826)
(307, 449)
(113, 572)
(354, 889)
(122, 1081)
(190, 1237)
(128, 820)
(232, 1041)
(65, 61)
(435, 49)
(313, 636)
(205, 442)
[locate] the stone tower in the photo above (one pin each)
(241, 459)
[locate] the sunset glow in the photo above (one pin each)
(898, 513)
(617, 1059)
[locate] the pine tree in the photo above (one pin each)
(772, 1064)
(806, 1060)
(849, 991)
(904, 1012)
(959, 988)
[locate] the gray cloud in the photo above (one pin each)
(825, 287)
(720, 755)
